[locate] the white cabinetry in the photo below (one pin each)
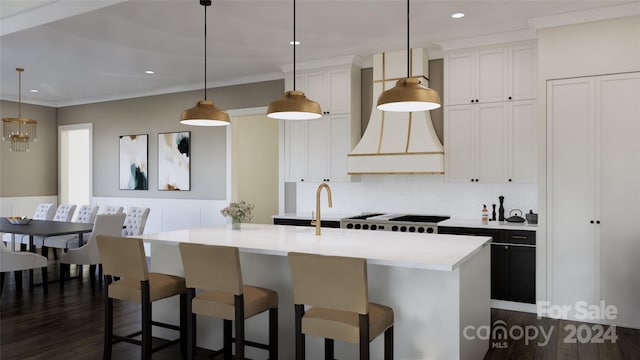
(490, 75)
(493, 142)
(593, 172)
(316, 150)
(490, 114)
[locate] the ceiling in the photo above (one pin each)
(83, 51)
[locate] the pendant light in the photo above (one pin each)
(205, 113)
(409, 94)
(20, 131)
(294, 105)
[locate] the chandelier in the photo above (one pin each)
(20, 131)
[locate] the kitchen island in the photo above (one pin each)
(438, 285)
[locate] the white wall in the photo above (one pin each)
(595, 48)
(421, 194)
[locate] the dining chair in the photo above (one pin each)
(86, 215)
(88, 254)
(135, 221)
(215, 270)
(18, 261)
(64, 213)
(44, 211)
(110, 209)
(335, 291)
(124, 259)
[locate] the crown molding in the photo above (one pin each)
(323, 63)
(493, 39)
(585, 16)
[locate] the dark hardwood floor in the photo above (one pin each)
(69, 326)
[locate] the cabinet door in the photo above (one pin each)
(571, 197)
(459, 143)
(499, 289)
(295, 150)
(492, 142)
(340, 92)
(523, 146)
(317, 149)
(491, 75)
(521, 275)
(522, 72)
(619, 116)
(339, 147)
(317, 89)
(459, 75)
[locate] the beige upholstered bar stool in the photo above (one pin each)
(125, 258)
(336, 291)
(216, 271)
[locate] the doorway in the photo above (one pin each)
(75, 157)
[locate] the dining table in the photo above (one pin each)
(43, 228)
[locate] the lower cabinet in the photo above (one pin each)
(513, 262)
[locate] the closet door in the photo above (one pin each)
(573, 258)
(619, 117)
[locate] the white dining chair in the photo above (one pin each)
(109, 209)
(88, 254)
(86, 215)
(64, 213)
(135, 221)
(44, 211)
(18, 261)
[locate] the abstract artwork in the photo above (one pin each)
(174, 161)
(134, 156)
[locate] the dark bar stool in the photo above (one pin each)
(124, 258)
(336, 290)
(216, 271)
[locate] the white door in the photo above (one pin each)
(572, 243)
(619, 116)
(75, 169)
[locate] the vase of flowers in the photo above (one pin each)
(239, 212)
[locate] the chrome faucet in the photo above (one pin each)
(316, 222)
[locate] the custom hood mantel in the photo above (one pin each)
(398, 143)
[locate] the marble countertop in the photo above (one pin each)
(502, 225)
(324, 217)
(422, 251)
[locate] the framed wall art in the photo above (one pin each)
(174, 161)
(134, 156)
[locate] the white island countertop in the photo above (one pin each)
(421, 251)
(477, 223)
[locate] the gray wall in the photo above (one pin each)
(33, 173)
(436, 82)
(157, 114)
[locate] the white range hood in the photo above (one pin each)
(398, 143)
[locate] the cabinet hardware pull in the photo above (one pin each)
(597, 221)
(591, 222)
(519, 237)
(506, 247)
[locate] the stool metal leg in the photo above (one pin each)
(227, 339)
(364, 336)
(328, 349)
(146, 320)
(273, 334)
(191, 324)
(388, 344)
(239, 307)
(300, 346)
(108, 320)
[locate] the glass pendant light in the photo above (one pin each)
(205, 113)
(409, 94)
(294, 105)
(20, 131)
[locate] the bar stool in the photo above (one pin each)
(216, 271)
(125, 258)
(336, 290)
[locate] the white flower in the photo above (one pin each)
(238, 210)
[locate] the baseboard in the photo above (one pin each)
(514, 306)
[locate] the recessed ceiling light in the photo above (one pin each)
(294, 42)
(457, 15)
(149, 72)
(34, 90)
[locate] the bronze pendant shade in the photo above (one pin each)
(409, 94)
(294, 105)
(205, 113)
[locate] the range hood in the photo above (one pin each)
(398, 143)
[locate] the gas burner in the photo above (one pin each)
(394, 222)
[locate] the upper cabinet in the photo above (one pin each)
(316, 150)
(490, 75)
(490, 115)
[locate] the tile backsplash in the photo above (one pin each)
(421, 194)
